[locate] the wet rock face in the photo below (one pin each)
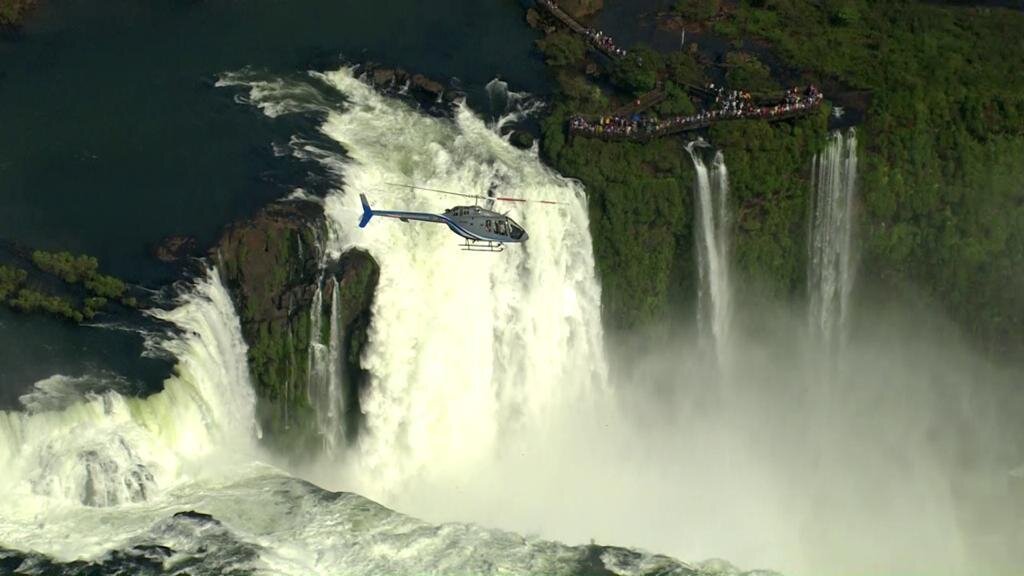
(356, 275)
(173, 248)
(273, 265)
(425, 93)
(428, 86)
(270, 264)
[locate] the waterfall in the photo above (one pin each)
(324, 386)
(509, 108)
(334, 433)
(831, 270)
(110, 449)
(711, 193)
(465, 349)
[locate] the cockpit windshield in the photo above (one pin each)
(516, 232)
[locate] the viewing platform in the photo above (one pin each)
(641, 129)
(599, 40)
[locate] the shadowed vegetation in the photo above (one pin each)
(943, 207)
(12, 12)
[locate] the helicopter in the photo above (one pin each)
(484, 230)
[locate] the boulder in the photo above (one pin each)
(173, 248)
(522, 139)
(427, 86)
(382, 77)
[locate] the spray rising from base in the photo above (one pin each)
(490, 402)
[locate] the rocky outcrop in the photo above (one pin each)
(355, 277)
(581, 8)
(427, 86)
(272, 265)
(174, 248)
(428, 94)
(522, 139)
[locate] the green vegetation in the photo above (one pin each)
(10, 280)
(562, 48)
(745, 72)
(641, 193)
(83, 269)
(70, 269)
(93, 305)
(677, 102)
(943, 207)
(13, 11)
(105, 286)
(639, 206)
(942, 159)
(637, 72)
(769, 180)
(271, 265)
(697, 10)
(31, 301)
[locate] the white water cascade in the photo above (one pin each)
(108, 449)
(711, 192)
(509, 107)
(831, 268)
(468, 351)
(112, 483)
(325, 386)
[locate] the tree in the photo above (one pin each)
(637, 72)
(697, 10)
(562, 49)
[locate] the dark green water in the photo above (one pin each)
(113, 136)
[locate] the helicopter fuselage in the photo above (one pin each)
(476, 223)
(473, 223)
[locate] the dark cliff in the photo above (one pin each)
(272, 265)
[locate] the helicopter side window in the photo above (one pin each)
(499, 227)
(487, 224)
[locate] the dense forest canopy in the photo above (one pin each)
(943, 182)
(942, 201)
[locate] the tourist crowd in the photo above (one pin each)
(730, 105)
(598, 38)
(604, 42)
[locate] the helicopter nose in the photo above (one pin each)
(525, 237)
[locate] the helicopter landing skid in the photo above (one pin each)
(478, 246)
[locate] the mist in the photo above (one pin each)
(890, 455)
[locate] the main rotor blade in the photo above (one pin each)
(464, 195)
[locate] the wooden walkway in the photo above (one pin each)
(572, 24)
(639, 134)
(652, 98)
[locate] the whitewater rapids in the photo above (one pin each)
(493, 401)
(495, 398)
(174, 484)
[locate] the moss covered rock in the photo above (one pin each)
(273, 264)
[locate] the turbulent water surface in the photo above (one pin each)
(173, 484)
(497, 403)
(491, 400)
